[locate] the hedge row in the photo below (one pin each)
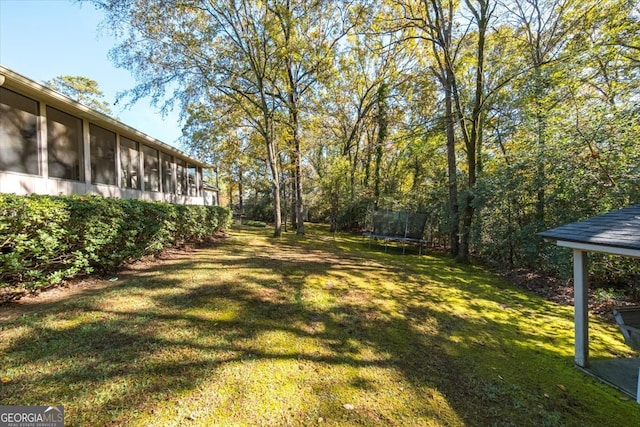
(45, 239)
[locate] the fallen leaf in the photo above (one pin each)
(5, 380)
(562, 387)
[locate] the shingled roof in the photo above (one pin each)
(616, 229)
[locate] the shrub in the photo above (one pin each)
(259, 208)
(33, 240)
(44, 239)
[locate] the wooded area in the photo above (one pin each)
(499, 119)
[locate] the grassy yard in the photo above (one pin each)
(319, 330)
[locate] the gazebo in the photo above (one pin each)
(617, 233)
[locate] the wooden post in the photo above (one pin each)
(581, 306)
(638, 389)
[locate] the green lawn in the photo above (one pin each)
(319, 330)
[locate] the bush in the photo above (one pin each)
(259, 208)
(354, 216)
(33, 239)
(45, 239)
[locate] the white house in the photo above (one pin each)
(50, 144)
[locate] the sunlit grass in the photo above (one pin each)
(314, 330)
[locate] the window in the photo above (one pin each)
(64, 145)
(103, 155)
(167, 173)
(151, 171)
(181, 173)
(18, 133)
(129, 162)
(193, 191)
(200, 182)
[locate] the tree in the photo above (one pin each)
(345, 107)
(472, 124)
(261, 57)
(226, 145)
(309, 33)
(382, 124)
(205, 52)
(81, 89)
(433, 22)
(546, 26)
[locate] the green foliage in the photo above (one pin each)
(353, 216)
(34, 239)
(259, 208)
(81, 89)
(45, 239)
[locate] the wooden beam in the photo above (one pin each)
(581, 307)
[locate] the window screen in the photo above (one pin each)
(103, 155)
(181, 172)
(18, 133)
(167, 173)
(193, 191)
(64, 145)
(129, 162)
(151, 171)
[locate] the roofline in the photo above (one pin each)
(590, 247)
(12, 80)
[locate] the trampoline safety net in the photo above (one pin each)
(404, 225)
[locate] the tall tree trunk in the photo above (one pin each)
(472, 133)
(290, 211)
(439, 28)
(294, 124)
(541, 125)
(335, 199)
(240, 191)
(275, 176)
(454, 211)
(297, 153)
(381, 118)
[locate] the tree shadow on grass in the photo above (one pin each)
(222, 323)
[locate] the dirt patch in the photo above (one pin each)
(30, 301)
(561, 291)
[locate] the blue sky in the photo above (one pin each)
(42, 39)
